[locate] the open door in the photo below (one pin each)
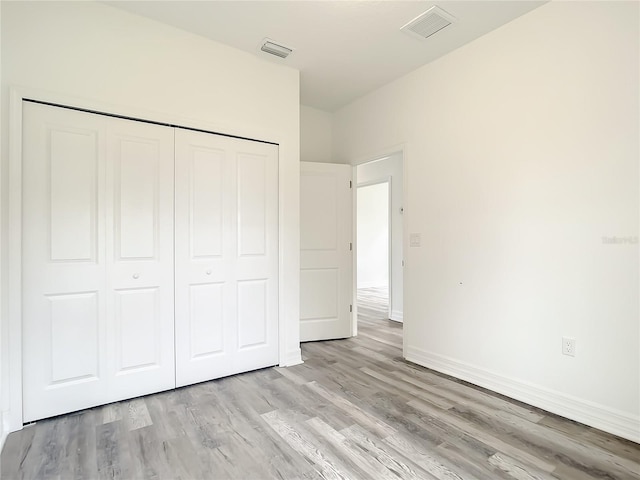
(325, 251)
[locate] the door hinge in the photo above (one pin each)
(351, 308)
(350, 246)
(350, 184)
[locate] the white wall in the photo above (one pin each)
(390, 167)
(316, 135)
(373, 235)
(99, 55)
(522, 152)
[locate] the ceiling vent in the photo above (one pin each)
(271, 47)
(428, 23)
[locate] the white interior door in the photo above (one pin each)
(97, 260)
(226, 256)
(325, 251)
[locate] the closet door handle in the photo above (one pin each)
(136, 276)
(208, 271)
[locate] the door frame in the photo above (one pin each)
(403, 150)
(12, 419)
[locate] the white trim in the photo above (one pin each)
(381, 154)
(595, 415)
(377, 181)
(14, 279)
(354, 251)
(405, 238)
(16, 97)
(292, 358)
(396, 315)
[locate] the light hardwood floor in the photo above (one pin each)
(355, 409)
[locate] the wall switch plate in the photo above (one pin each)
(414, 240)
(569, 346)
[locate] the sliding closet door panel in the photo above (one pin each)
(226, 222)
(64, 349)
(140, 263)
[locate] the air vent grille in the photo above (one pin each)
(273, 48)
(428, 23)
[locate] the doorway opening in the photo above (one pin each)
(373, 250)
(379, 233)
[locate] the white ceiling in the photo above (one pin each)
(343, 49)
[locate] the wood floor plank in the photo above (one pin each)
(328, 467)
(285, 460)
(15, 452)
(111, 412)
(490, 440)
(368, 464)
(183, 458)
(365, 419)
(112, 452)
(515, 469)
(398, 464)
(291, 375)
(137, 415)
(78, 459)
(591, 436)
(148, 454)
(472, 461)
(410, 389)
(431, 463)
(464, 393)
(549, 443)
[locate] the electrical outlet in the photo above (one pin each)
(569, 346)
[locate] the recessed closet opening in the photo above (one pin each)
(150, 257)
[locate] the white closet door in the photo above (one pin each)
(64, 261)
(226, 256)
(140, 333)
(97, 260)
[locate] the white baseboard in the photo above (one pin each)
(396, 315)
(292, 358)
(595, 415)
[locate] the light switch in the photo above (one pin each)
(414, 240)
